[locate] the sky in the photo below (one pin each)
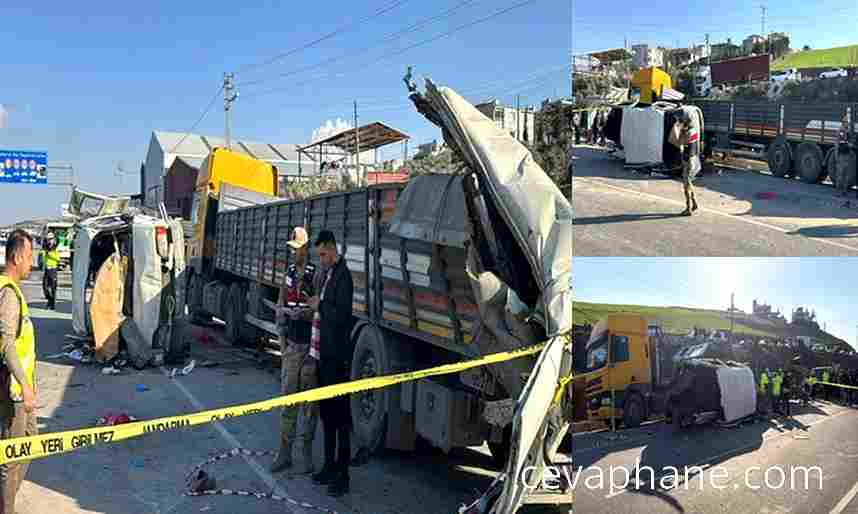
(88, 82)
(826, 284)
(818, 24)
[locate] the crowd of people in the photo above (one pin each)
(777, 387)
(591, 131)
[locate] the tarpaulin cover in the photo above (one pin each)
(432, 208)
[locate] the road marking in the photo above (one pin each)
(719, 213)
(261, 472)
(734, 450)
(844, 502)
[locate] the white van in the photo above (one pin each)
(154, 248)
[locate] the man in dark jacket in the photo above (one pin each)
(331, 344)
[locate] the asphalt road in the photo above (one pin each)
(621, 213)
(752, 468)
(146, 475)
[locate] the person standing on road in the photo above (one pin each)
(825, 387)
(17, 372)
(331, 344)
(689, 138)
(50, 263)
(576, 124)
(298, 369)
(763, 385)
(777, 382)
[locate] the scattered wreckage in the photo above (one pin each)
(125, 300)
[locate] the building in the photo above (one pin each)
(699, 52)
(646, 56)
(726, 50)
(166, 147)
(179, 185)
(428, 149)
(519, 122)
(751, 41)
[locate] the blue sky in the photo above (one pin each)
(89, 81)
(820, 24)
(825, 284)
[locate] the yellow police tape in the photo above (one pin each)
(35, 447)
(837, 385)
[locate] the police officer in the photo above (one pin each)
(690, 138)
(50, 263)
(825, 387)
(18, 353)
(762, 387)
(298, 370)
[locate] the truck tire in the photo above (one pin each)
(195, 299)
(843, 168)
(780, 158)
(633, 411)
(233, 313)
(501, 449)
(809, 162)
(369, 408)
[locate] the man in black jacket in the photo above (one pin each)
(331, 344)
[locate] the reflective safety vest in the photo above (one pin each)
(825, 376)
(25, 343)
(764, 381)
(52, 258)
(777, 381)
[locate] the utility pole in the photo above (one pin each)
(517, 115)
(763, 26)
(708, 52)
(228, 98)
(732, 314)
(357, 148)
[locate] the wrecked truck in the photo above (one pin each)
(127, 264)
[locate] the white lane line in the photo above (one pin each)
(844, 502)
(752, 445)
(719, 213)
(261, 472)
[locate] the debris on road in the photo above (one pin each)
(115, 419)
(110, 370)
(801, 437)
(185, 371)
(141, 388)
(765, 195)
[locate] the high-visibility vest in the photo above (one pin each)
(25, 342)
(52, 258)
(777, 380)
(825, 376)
(764, 381)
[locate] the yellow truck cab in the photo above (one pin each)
(649, 84)
(622, 358)
(221, 167)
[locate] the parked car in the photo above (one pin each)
(835, 73)
(785, 75)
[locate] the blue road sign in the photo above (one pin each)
(23, 167)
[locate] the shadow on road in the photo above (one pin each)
(623, 218)
(787, 198)
(832, 231)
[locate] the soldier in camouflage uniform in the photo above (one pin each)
(298, 370)
(690, 138)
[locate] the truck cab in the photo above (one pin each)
(703, 82)
(621, 360)
(649, 84)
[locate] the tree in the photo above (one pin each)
(805, 48)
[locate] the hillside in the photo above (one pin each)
(681, 320)
(841, 57)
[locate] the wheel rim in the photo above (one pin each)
(368, 368)
(780, 158)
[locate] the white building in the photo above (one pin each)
(646, 56)
(750, 41)
(518, 122)
(164, 147)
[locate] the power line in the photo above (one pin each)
(399, 52)
(199, 120)
(327, 36)
(389, 37)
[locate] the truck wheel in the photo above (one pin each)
(232, 311)
(809, 162)
(501, 449)
(195, 298)
(369, 408)
(780, 158)
(842, 168)
(633, 411)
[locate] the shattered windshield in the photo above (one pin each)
(597, 352)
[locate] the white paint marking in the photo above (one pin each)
(718, 213)
(261, 472)
(734, 450)
(844, 502)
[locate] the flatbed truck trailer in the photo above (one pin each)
(795, 139)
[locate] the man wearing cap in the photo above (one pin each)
(690, 147)
(298, 370)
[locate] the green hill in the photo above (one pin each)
(842, 57)
(681, 320)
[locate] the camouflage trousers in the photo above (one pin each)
(298, 372)
(690, 169)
